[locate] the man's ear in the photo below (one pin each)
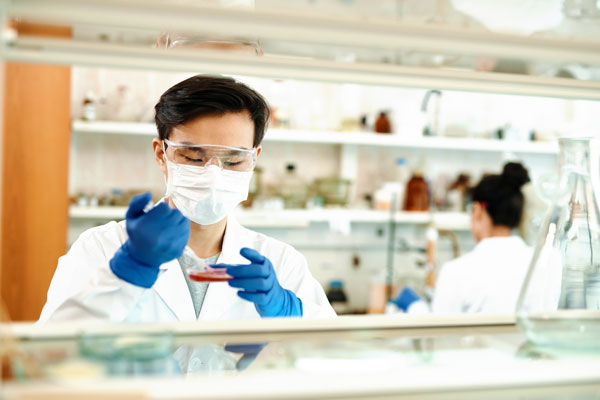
(157, 147)
(258, 151)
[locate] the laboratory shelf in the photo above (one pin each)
(432, 143)
(97, 213)
(303, 218)
(443, 220)
(114, 128)
(313, 25)
(284, 27)
(344, 138)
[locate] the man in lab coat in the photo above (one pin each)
(210, 130)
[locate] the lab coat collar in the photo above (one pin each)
(220, 297)
(500, 242)
(173, 289)
(235, 238)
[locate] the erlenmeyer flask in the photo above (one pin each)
(559, 303)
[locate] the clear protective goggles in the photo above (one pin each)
(202, 155)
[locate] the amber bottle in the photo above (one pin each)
(382, 123)
(416, 197)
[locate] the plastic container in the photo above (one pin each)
(389, 195)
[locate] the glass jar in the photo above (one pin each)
(559, 304)
(293, 189)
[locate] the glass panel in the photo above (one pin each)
(400, 359)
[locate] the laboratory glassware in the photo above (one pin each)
(559, 304)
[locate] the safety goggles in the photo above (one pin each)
(202, 155)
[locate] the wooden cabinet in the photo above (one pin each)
(35, 157)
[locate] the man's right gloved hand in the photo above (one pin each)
(155, 237)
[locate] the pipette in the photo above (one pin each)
(197, 269)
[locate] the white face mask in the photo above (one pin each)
(206, 195)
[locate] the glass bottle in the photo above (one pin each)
(416, 196)
(293, 188)
(382, 123)
(559, 304)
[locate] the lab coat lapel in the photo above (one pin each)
(220, 297)
(172, 288)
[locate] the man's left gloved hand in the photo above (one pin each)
(259, 285)
(249, 352)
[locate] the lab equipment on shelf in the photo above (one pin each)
(89, 107)
(416, 197)
(337, 297)
(389, 196)
(457, 193)
(293, 189)
(255, 190)
(382, 123)
(560, 301)
(333, 191)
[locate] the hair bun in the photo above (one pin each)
(515, 174)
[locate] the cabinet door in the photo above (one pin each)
(35, 152)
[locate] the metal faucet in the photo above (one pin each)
(431, 127)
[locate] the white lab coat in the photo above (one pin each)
(84, 287)
(486, 280)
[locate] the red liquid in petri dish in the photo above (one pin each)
(209, 275)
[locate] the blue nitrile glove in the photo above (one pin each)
(249, 351)
(155, 237)
(406, 297)
(259, 285)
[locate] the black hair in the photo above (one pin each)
(502, 194)
(204, 95)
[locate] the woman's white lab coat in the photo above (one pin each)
(487, 280)
(84, 287)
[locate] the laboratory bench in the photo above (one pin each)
(354, 357)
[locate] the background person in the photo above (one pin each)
(488, 279)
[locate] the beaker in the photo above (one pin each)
(559, 304)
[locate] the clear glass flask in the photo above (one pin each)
(559, 304)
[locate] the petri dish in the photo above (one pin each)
(199, 271)
(208, 274)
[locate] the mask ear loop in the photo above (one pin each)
(164, 147)
(166, 177)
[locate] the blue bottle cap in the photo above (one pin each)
(337, 284)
